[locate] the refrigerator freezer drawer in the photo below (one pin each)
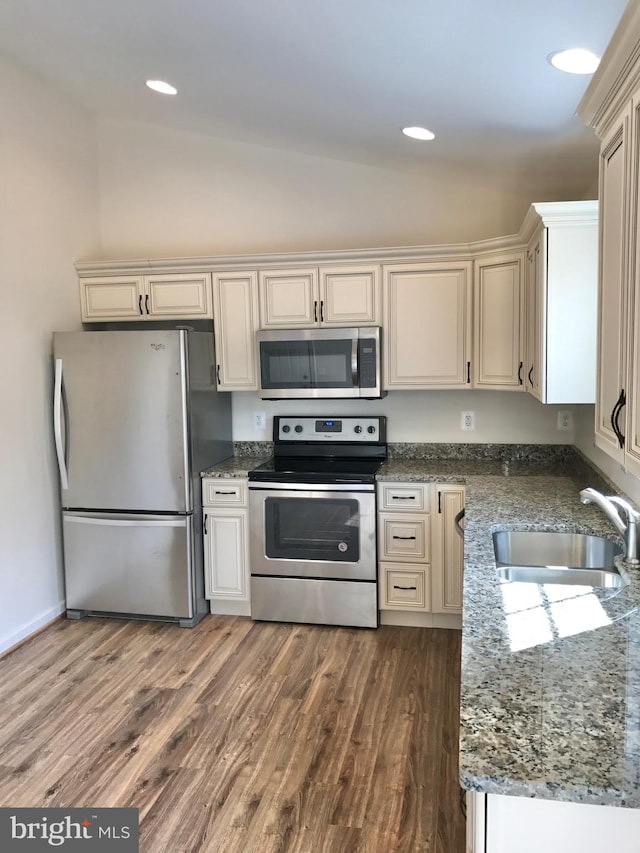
(129, 564)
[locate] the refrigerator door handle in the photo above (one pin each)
(57, 425)
(131, 520)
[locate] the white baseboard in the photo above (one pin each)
(8, 641)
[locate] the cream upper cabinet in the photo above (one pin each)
(235, 321)
(427, 325)
(143, 297)
(350, 296)
(288, 298)
(499, 322)
(345, 295)
(611, 105)
(614, 288)
(535, 362)
(118, 297)
(561, 282)
(617, 427)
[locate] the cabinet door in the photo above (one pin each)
(536, 308)
(350, 296)
(185, 295)
(289, 299)
(112, 298)
(448, 560)
(631, 424)
(226, 554)
(427, 314)
(235, 321)
(613, 290)
(526, 825)
(499, 322)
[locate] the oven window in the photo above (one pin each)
(306, 364)
(326, 529)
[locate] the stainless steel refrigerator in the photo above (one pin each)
(137, 416)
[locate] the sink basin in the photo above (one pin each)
(554, 557)
(563, 574)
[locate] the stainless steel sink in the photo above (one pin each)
(553, 557)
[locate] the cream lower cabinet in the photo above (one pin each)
(226, 545)
(235, 321)
(404, 546)
(427, 324)
(448, 553)
(502, 824)
(419, 553)
(146, 297)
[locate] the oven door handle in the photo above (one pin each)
(354, 363)
(309, 488)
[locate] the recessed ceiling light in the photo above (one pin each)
(161, 86)
(577, 60)
(418, 133)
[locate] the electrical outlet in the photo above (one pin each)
(467, 420)
(565, 421)
(260, 420)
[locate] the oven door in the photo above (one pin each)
(313, 531)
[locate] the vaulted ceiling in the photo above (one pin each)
(337, 78)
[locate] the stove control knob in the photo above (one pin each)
(371, 429)
(357, 429)
(286, 428)
(298, 428)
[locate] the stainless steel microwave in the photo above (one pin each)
(320, 363)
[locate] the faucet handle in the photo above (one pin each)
(632, 514)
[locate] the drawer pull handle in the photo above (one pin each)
(404, 537)
(403, 497)
(218, 492)
(395, 586)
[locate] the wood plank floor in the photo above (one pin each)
(241, 736)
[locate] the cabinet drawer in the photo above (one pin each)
(404, 588)
(407, 497)
(217, 492)
(405, 538)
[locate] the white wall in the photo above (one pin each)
(423, 416)
(167, 193)
(48, 217)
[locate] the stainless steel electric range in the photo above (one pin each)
(312, 511)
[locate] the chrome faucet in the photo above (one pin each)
(611, 507)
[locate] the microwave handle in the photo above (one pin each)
(354, 363)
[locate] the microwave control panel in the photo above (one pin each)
(351, 428)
